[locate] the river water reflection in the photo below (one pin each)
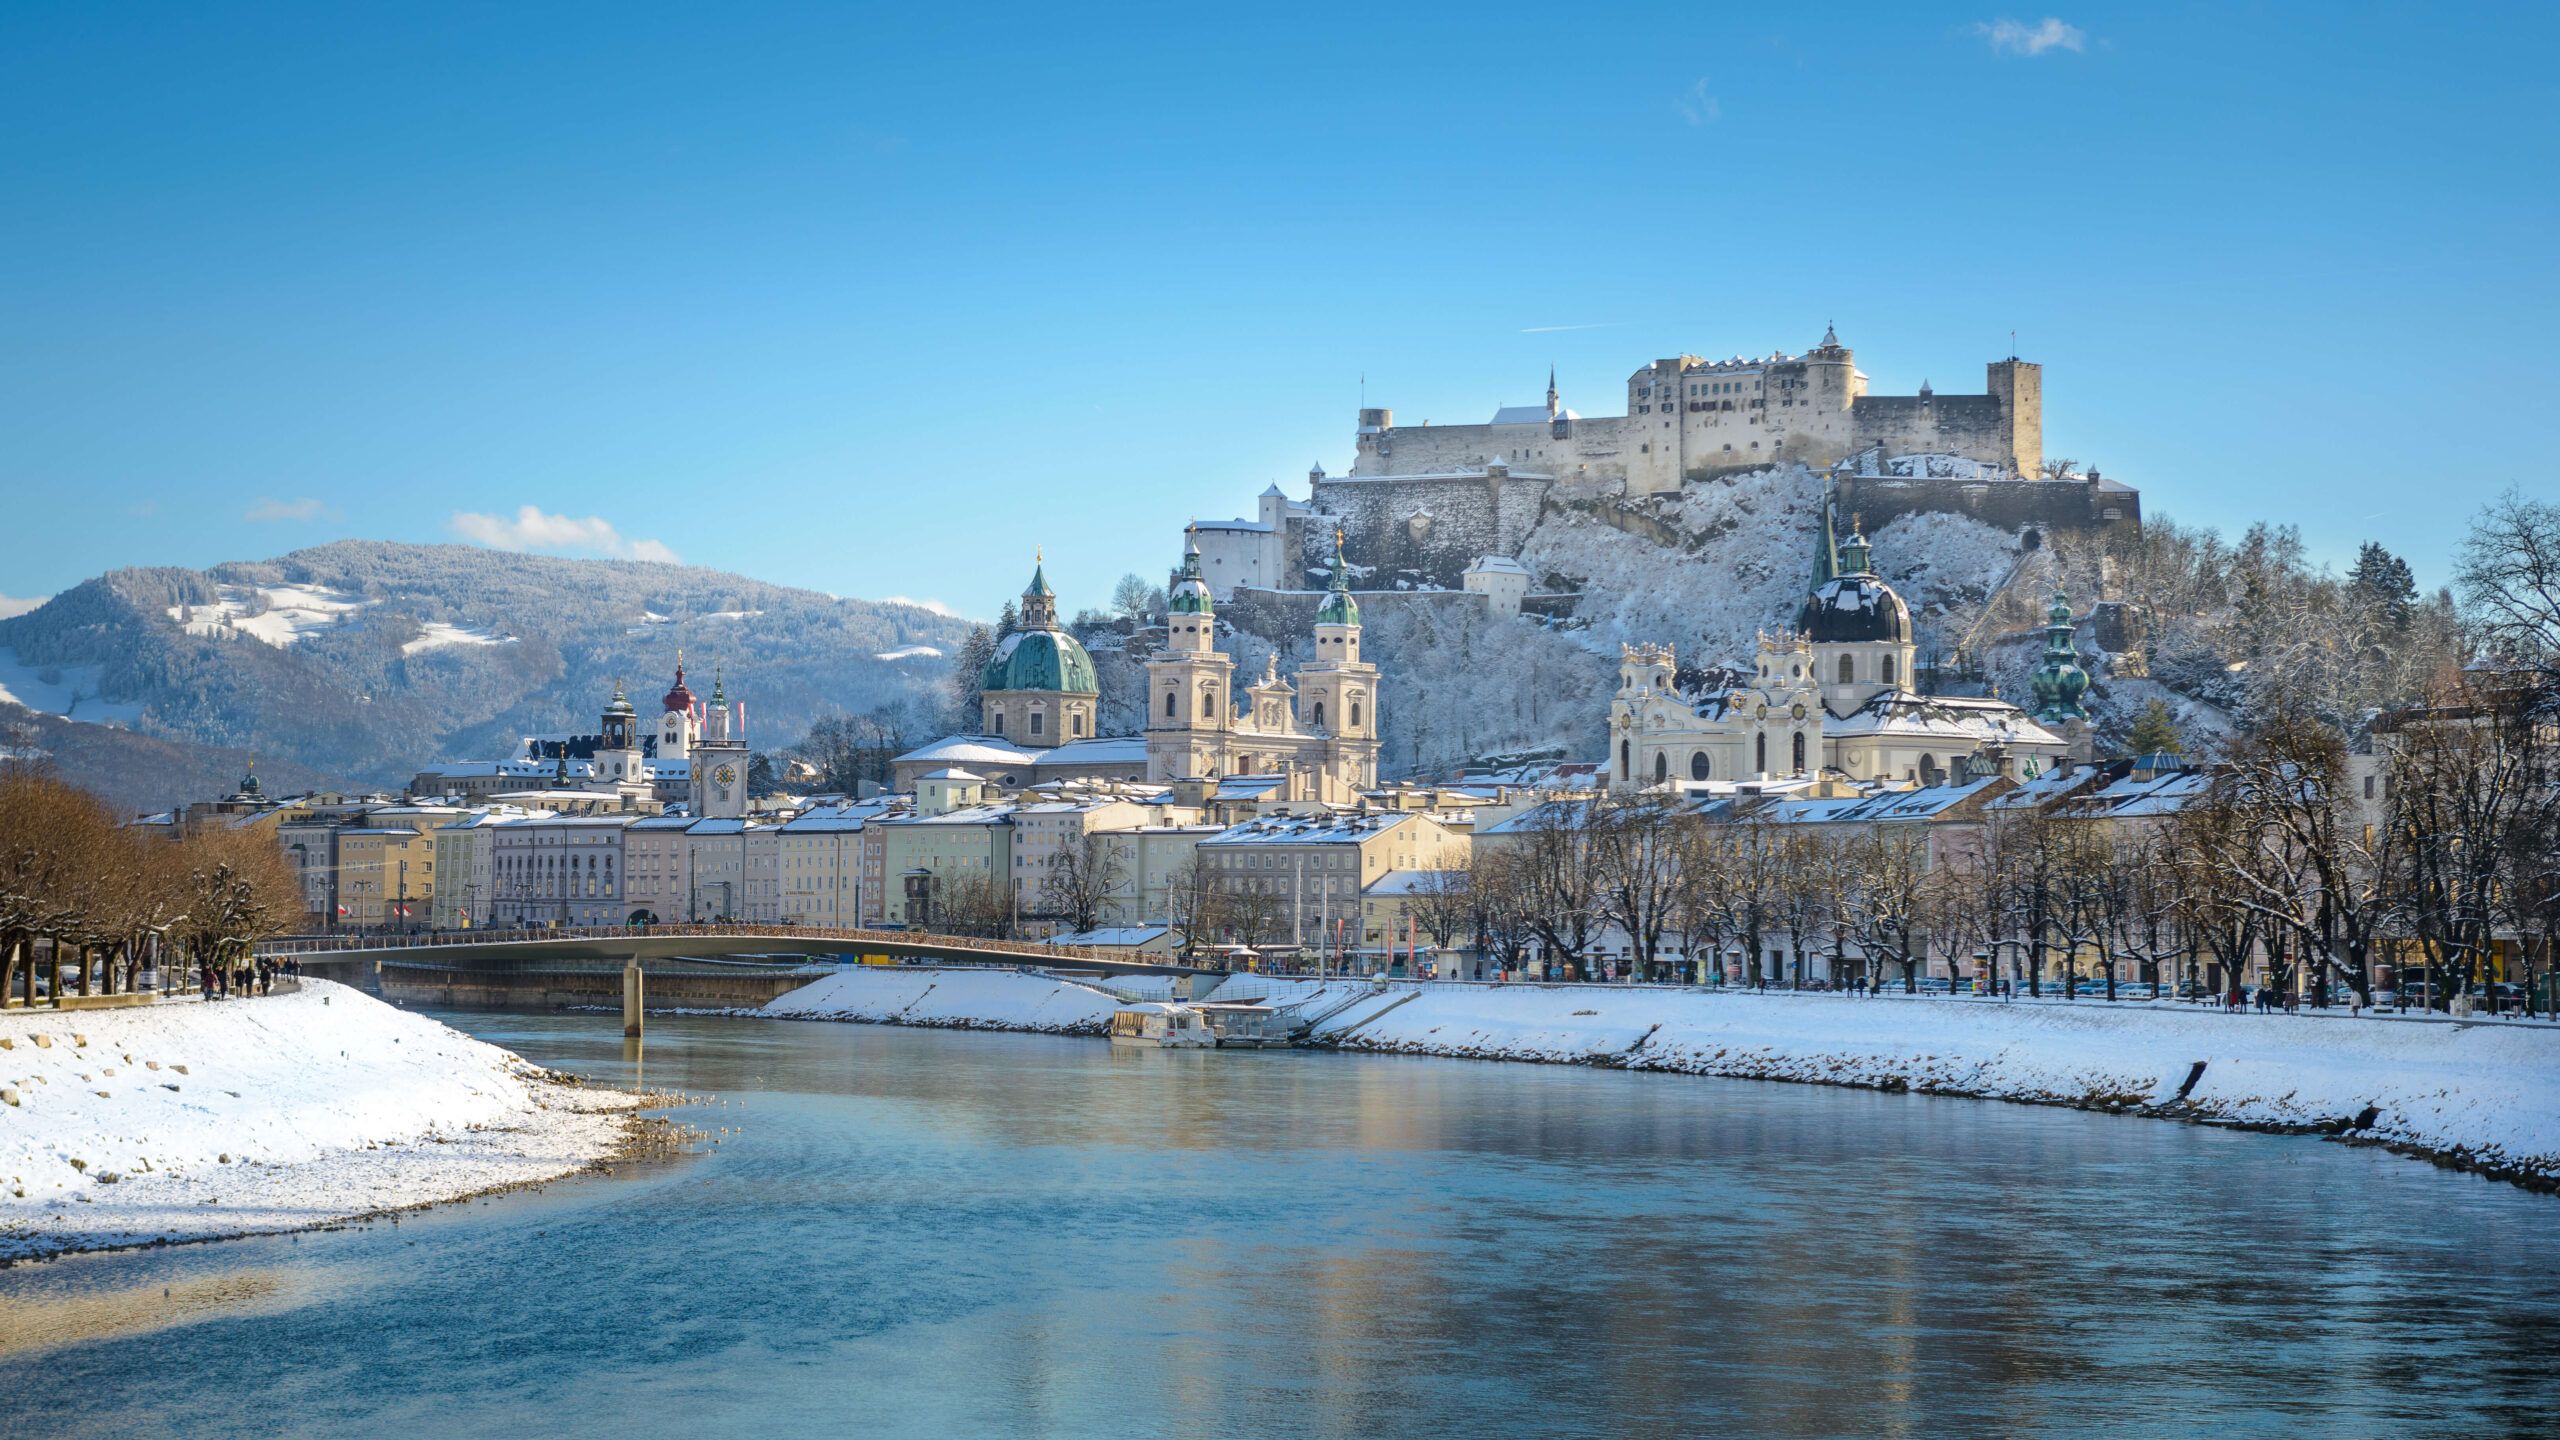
(937, 1233)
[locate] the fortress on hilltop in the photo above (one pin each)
(1425, 504)
(1694, 419)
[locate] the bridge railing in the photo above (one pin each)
(852, 939)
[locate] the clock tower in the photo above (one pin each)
(719, 762)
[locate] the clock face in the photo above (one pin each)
(724, 775)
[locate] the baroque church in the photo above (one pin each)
(1836, 694)
(1040, 699)
(1324, 727)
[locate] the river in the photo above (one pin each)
(942, 1233)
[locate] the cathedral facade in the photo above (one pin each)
(1837, 694)
(1325, 725)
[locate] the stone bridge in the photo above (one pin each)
(685, 966)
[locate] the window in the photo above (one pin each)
(1848, 671)
(1698, 765)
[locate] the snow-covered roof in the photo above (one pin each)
(1966, 719)
(1416, 882)
(968, 750)
(1308, 829)
(1107, 750)
(1115, 936)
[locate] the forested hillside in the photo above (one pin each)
(366, 660)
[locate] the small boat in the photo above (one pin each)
(1173, 1027)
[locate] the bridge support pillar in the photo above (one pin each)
(631, 999)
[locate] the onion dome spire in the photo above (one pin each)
(2060, 682)
(1190, 593)
(1339, 608)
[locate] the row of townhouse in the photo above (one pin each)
(1949, 822)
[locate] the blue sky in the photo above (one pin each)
(876, 301)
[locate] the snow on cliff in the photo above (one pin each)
(186, 1120)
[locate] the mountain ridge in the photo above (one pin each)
(368, 659)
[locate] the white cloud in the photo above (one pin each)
(305, 508)
(935, 606)
(1697, 106)
(10, 607)
(531, 529)
(2020, 39)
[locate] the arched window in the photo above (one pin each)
(1626, 761)
(1698, 765)
(1888, 670)
(1319, 716)
(1661, 767)
(1168, 704)
(1760, 754)
(1799, 751)
(1848, 670)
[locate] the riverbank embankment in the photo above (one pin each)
(2484, 1096)
(192, 1120)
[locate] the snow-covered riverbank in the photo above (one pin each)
(2484, 1095)
(190, 1121)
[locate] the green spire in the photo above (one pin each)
(1190, 593)
(1339, 608)
(1826, 559)
(2060, 682)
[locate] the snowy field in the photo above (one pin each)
(2486, 1094)
(188, 1121)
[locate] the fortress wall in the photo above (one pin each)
(1974, 426)
(2007, 504)
(1593, 452)
(1277, 615)
(1426, 529)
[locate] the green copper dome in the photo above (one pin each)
(1190, 593)
(1040, 660)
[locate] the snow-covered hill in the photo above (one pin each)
(368, 660)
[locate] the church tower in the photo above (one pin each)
(719, 763)
(1189, 709)
(618, 759)
(1337, 691)
(677, 728)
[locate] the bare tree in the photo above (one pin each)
(1083, 881)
